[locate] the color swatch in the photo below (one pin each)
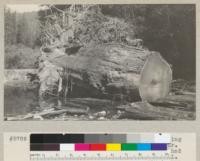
(97, 142)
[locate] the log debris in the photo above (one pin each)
(148, 111)
(49, 113)
(164, 109)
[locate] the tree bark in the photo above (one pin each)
(113, 69)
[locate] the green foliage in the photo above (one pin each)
(10, 27)
(20, 56)
(21, 28)
(169, 29)
(21, 39)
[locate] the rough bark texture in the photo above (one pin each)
(112, 69)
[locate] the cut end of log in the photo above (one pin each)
(156, 77)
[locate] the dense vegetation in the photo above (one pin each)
(22, 32)
(169, 29)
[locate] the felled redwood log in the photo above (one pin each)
(114, 69)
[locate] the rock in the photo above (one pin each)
(115, 116)
(38, 117)
(101, 118)
(135, 42)
(91, 117)
(119, 112)
(100, 114)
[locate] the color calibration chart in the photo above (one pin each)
(110, 147)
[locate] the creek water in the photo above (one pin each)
(22, 100)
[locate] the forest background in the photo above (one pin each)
(168, 29)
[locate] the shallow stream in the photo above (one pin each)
(20, 101)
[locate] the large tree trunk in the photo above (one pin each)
(113, 70)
